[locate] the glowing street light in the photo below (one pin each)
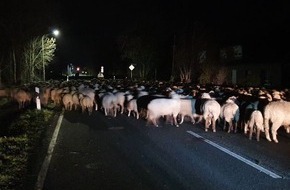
(55, 33)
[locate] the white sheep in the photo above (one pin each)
(120, 100)
(132, 106)
(143, 101)
(88, 92)
(187, 108)
(109, 104)
(230, 114)
(254, 123)
(142, 93)
(163, 107)
(278, 113)
(211, 111)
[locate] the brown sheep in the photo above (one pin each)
(23, 98)
(67, 101)
(86, 103)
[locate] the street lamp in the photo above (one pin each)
(55, 33)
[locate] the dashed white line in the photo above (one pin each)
(260, 168)
(43, 171)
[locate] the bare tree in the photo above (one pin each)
(190, 43)
(185, 73)
(196, 54)
(221, 75)
(18, 23)
(138, 51)
(37, 54)
(206, 73)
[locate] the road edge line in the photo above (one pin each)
(254, 165)
(45, 165)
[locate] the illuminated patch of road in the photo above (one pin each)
(260, 168)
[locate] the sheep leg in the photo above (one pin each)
(175, 120)
(122, 109)
(230, 126)
(147, 114)
(225, 125)
(236, 127)
(90, 109)
(258, 134)
(154, 122)
(246, 128)
(115, 111)
(136, 113)
(287, 129)
(242, 125)
(213, 124)
(199, 118)
(251, 132)
(266, 122)
(193, 118)
(181, 119)
(274, 129)
(151, 119)
(20, 105)
(207, 123)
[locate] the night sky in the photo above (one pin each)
(89, 29)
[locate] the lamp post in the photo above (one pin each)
(55, 33)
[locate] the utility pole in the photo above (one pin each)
(173, 57)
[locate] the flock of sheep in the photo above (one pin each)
(249, 110)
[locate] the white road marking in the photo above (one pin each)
(260, 168)
(43, 171)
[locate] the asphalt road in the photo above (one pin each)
(98, 152)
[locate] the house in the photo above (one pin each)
(253, 73)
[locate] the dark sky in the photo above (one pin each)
(89, 29)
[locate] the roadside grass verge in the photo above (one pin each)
(21, 140)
